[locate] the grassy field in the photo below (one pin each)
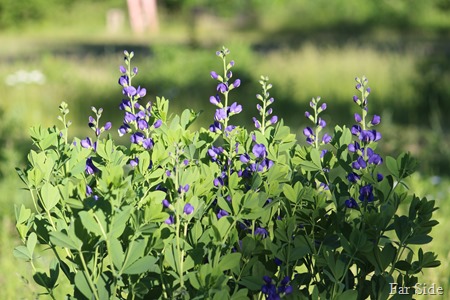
(316, 56)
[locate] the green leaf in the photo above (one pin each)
(229, 261)
(50, 195)
(59, 238)
(89, 222)
(22, 252)
(391, 164)
(81, 283)
(290, 193)
(142, 265)
(348, 295)
(31, 242)
(116, 252)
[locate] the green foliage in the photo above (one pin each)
(134, 221)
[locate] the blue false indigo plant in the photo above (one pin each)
(224, 212)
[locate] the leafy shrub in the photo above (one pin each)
(224, 212)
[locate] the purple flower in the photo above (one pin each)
(353, 177)
(129, 117)
(122, 69)
(379, 177)
(169, 220)
(88, 190)
(130, 91)
(123, 80)
(123, 129)
(366, 193)
(141, 92)
(244, 158)
(322, 123)
(166, 203)
(326, 138)
(184, 189)
(236, 83)
(216, 126)
(142, 124)
(107, 126)
(222, 213)
(256, 122)
(86, 143)
(375, 120)
(90, 168)
(273, 120)
(147, 143)
(235, 108)
(353, 147)
(215, 100)
(126, 104)
(262, 232)
(259, 150)
(137, 138)
(134, 162)
(214, 75)
(188, 209)
(355, 99)
(308, 132)
(358, 118)
(360, 163)
(158, 123)
(356, 129)
(351, 203)
(323, 107)
(222, 87)
(221, 114)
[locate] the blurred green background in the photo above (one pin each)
(64, 50)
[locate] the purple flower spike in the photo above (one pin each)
(188, 209)
(375, 120)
